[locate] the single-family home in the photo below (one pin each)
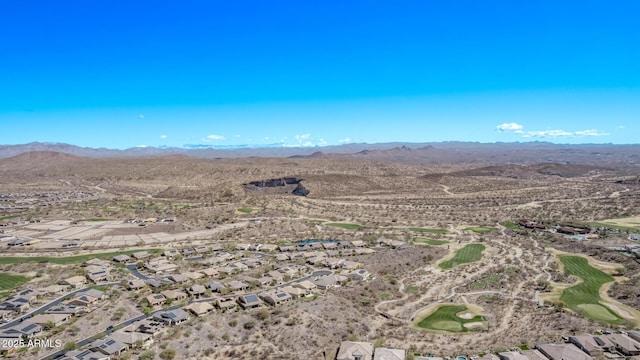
(350, 265)
(382, 353)
(75, 282)
(562, 352)
(199, 308)
(277, 276)
(105, 264)
(364, 251)
(265, 281)
(227, 270)
(148, 326)
(171, 253)
(347, 252)
(345, 244)
(121, 258)
(226, 303)
(269, 247)
(305, 285)
(333, 263)
(286, 248)
(592, 344)
(85, 355)
(53, 319)
(194, 275)
(236, 285)
(330, 245)
(214, 286)
(197, 290)
(625, 344)
(108, 346)
(133, 339)
(154, 283)
(238, 266)
(18, 305)
(209, 272)
(332, 253)
(172, 317)
(202, 249)
(99, 276)
(358, 275)
(249, 301)
(81, 300)
(174, 295)
(99, 295)
(178, 278)
(23, 329)
(275, 297)
(316, 260)
(156, 299)
(65, 309)
(329, 281)
(282, 257)
(294, 291)
(290, 271)
(530, 354)
(140, 255)
(353, 350)
(512, 355)
(54, 289)
(136, 284)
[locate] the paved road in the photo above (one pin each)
(134, 270)
(49, 305)
(88, 340)
(92, 338)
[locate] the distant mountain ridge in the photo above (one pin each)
(443, 152)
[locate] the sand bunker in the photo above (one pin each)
(622, 312)
(466, 316)
(472, 325)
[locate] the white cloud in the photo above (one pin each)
(591, 132)
(236, 135)
(509, 127)
(549, 133)
(303, 140)
(215, 137)
(141, 116)
(345, 140)
(620, 127)
(142, 146)
(163, 136)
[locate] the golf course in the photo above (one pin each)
(469, 253)
(450, 318)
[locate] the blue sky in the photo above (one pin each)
(122, 74)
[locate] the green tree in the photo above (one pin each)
(168, 354)
(71, 345)
(147, 355)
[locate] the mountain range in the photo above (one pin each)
(443, 152)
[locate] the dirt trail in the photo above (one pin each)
(443, 286)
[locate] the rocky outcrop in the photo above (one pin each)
(285, 185)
